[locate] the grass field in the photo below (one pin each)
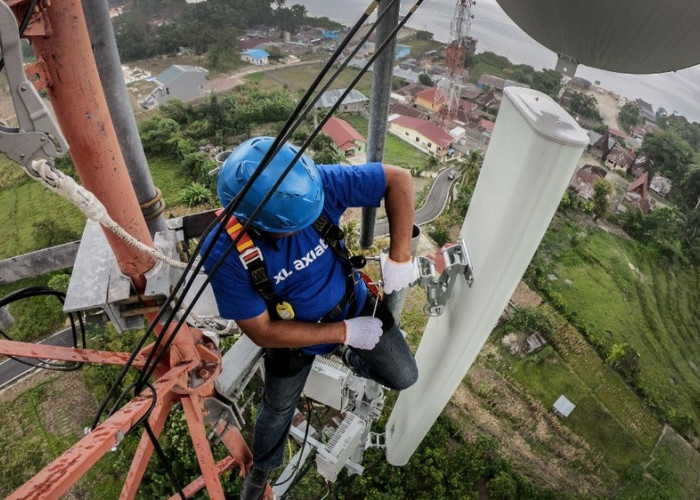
(25, 203)
(608, 414)
(396, 151)
(170, 177)
(297, 79)
(625, 294)
(39, 424)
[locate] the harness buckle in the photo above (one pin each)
(250, 255)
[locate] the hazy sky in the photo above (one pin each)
(495, 32)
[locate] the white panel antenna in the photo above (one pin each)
(532, 156)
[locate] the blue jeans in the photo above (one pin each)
(390, 363)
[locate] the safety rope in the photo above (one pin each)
(41, 170)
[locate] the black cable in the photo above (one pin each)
(38, 291)
(282, 137)
(225, 216)
(148, 372)
(303, 444)
(285, 133)
(299, 477)
(165, 462)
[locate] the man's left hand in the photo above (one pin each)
(397, 275)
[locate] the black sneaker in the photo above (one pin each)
(254, 484)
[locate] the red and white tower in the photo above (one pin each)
(459, 44)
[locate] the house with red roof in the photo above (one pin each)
(487, 125)
(466, 110)
(617, 133)
(410, 92)
(422, 134)
(428, 99)
(398, 108)
(344, 136)
(638, 194)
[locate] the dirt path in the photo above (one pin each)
(607, 107)
(227, 82)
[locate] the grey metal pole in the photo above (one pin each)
(382, 72)
(104, 47)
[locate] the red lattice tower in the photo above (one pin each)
(450, 86)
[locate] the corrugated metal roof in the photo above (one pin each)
(342, 133)
(256, 54)
(176, 70)
(330, 97)
(563, 406)
(427, 129)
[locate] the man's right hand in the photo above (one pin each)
(363, 332)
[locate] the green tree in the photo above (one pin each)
(157, 135)
(689, 188)
(547, 81)
(625, 359)
(424, 79)
(690, 132)
(424, 35)
(522, 73)
(503, 486)
(584, 105)
(671, 153)
(602, 189)
(324, 152)
(275, 52)
(439, 230)
(529, 320)
(433, 161)
(493, 59)
(222, 56)
(629, 116)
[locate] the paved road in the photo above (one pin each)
(11, 370)
(433, 205)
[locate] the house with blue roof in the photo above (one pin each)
(258, 57)
(402, 51)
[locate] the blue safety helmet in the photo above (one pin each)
(297, 201)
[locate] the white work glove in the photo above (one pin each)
(362, 332)
(397, 275)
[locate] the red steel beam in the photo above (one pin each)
(59, 353)
(57, 477)
(195, 420)
(144, 451)
(196, 485)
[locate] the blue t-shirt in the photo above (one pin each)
(303, 269)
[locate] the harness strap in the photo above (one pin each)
(252, 260)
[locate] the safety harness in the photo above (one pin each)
(252, 260)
